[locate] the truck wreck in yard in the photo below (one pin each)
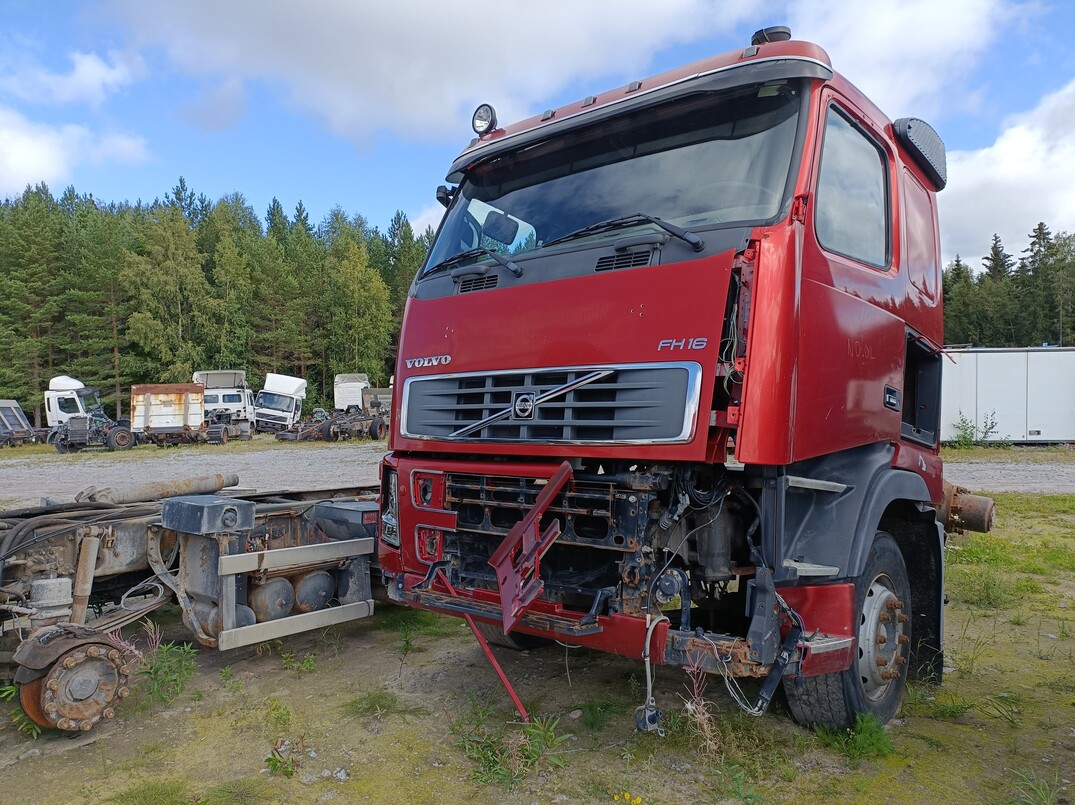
(243, 569)
(77, 420)
(360, 411)
(669, 386)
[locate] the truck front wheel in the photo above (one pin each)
(874, 683)
(118, 438)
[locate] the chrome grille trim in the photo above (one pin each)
(555, 387)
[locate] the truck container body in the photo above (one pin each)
(278, 405)
(15, 428)
(668, 384)
(1020, 395)
(347, 391)
(168, 413)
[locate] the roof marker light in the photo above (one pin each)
(484, 119)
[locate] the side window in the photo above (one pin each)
(851, 212)
(211, 399)
(68, 405)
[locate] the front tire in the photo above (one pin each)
(119, 438)
(873, 685)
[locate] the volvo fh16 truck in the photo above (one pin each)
(668, 385)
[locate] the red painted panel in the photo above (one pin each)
(848, 351)
(608, 318)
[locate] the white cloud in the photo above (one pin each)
(1026, 176)
(426, 217)
(364, 68)
(33, 152)
(90, 81)
(217, 109)
(911, 58)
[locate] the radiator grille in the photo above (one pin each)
(649, 403)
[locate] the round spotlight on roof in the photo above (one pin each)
(484, 119)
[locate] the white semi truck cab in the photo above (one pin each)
(278, 405)
(347, 391)
(67, 397)
(77, 419)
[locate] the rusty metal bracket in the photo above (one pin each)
(517, 561)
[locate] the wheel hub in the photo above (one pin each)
(881, 638)
(81, 688)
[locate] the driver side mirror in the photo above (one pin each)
(444, 195)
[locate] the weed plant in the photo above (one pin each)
(1027, 789)
(507, 754)
(866, 739)
(377, 703)
(924, 701)
(307, 665)
(244, 791)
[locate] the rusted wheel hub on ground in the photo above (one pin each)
(82, 687)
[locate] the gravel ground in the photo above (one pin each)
(262, 465)
(268, 465)
(1013, 476)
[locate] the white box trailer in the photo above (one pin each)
(1022, 395)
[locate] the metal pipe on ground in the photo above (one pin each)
(201, 485)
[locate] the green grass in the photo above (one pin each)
(597, 712)
(377, 703)
(981, 587)
(866, 739)
(927, 701)
(418, 622)
(157, 792)
(244, 791)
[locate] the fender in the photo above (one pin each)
(825, 511)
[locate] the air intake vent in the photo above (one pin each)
(611, 262)
(471, 284)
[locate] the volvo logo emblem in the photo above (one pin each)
(523, 404)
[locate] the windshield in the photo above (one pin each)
(91, 400)
(700, 161)
(277, 402)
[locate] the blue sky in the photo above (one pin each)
(364, 105)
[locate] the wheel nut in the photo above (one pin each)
(123, 692)
(903, 640)
(69, 662)
(894, 604)
(901, 660)
(902, 618)
(51, 707)
(86, 725)
(53, 685)
(94, 651)
(884, 617)
(113, 655)
(109, 713)
(125, 669)
(881, 639)
(881, 662)
(65, 724)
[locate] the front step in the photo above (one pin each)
(446, 602)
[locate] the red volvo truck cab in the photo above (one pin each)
(669, 384)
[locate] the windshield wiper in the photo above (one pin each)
(475, 253)
(695, 242)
